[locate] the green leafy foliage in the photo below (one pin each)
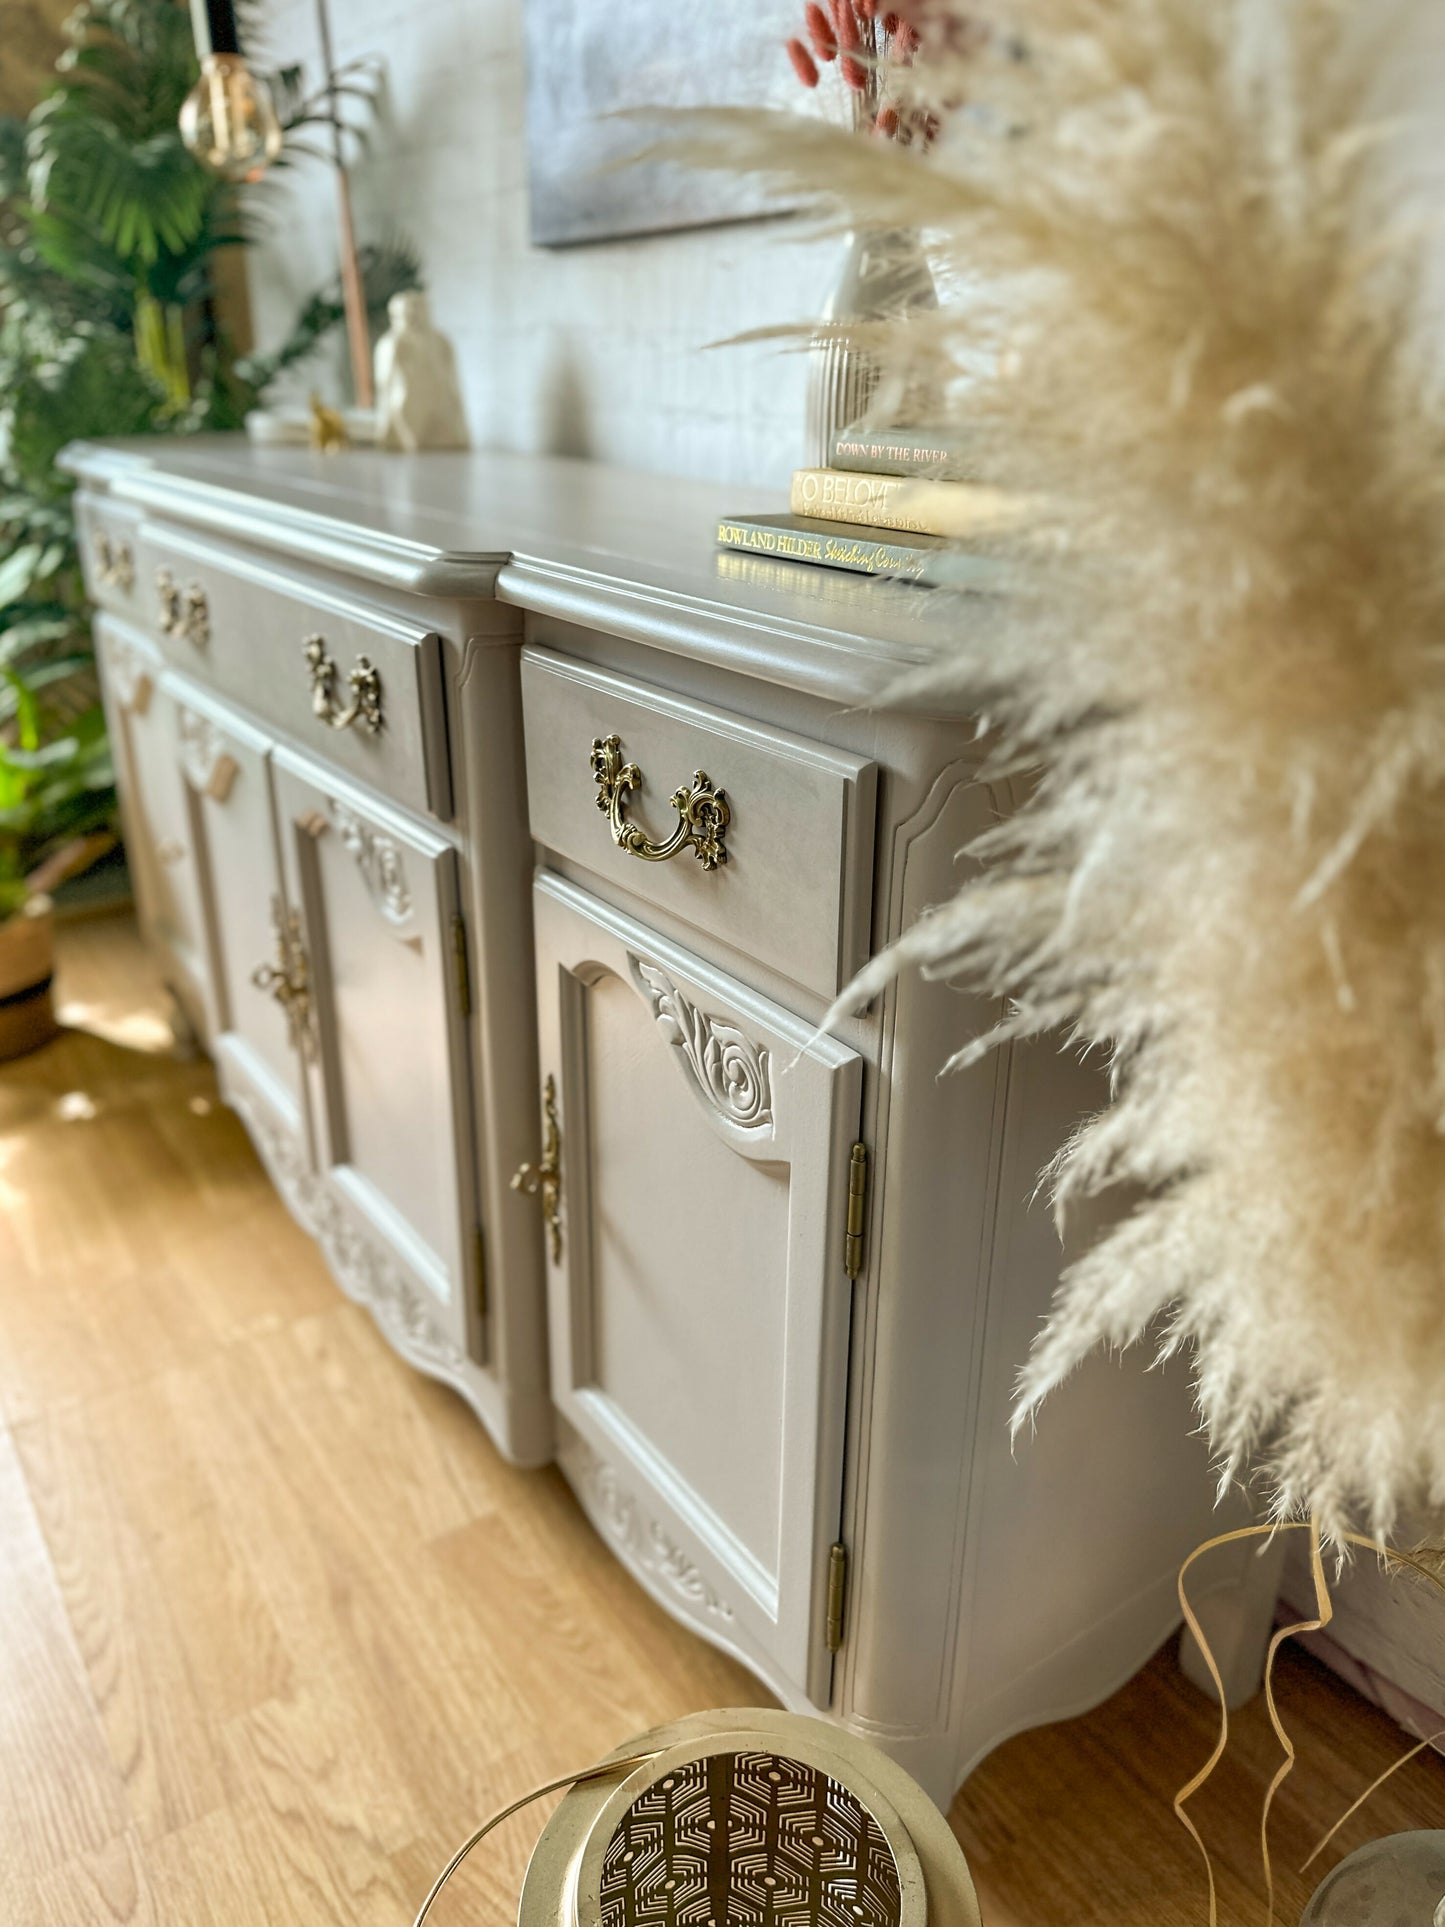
(94, 386)
(109, 236)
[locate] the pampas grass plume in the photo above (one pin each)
(1192, 344)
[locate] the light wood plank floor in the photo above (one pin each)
(277, 1625)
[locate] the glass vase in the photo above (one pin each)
(885, 276)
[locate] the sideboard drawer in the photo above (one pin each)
(361, 688)
(108, 545)
(762, 838)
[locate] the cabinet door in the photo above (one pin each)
(225, 765)
(143, 728)
(698, 1301)
(377, 900)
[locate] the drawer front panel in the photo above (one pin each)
(780, 867)
(361, 689)
(109, 555)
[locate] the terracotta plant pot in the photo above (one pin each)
(27, 962)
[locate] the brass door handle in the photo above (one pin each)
(703, 813)
(544, 1180)
(184, 613)
(364, 682)
(288, 978)
(114, 562)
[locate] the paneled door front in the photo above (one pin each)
(141, 719)
(376, 900)
(225, 764)
(698, 1298)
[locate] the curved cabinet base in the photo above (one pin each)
(1061, 1683)
(371, 1279)
(621, 1516)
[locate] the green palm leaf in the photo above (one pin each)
(138, 196)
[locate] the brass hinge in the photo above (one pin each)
(857, 1209)
(461, 967)
(837, 1595)
(479, 1265)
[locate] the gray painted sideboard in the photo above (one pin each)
(505, 846)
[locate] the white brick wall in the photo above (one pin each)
(591, 350)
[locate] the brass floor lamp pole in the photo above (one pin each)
(353, 291)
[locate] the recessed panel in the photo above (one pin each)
(689, 1272)
(383, 987)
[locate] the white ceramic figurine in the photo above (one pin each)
(418, 399)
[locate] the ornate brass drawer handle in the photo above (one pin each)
(544, 1180)
(114, 562)
(184, 614)
(288, 979)
(364, 682)
(703, 813)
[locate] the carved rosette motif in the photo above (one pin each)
(207, 764)
(364, 1271)
(645, 1545)
(733, 1073)
(380, 861)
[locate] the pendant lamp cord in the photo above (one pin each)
(599, 1772)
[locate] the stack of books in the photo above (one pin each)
(892, 502)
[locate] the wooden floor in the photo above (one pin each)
(277, 1626)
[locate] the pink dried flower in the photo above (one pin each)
(887, 122)
(867, 9)
(820, 31)
(803, 64)
(846, 22)
(891, 23)
(853, 73)
(905, 40)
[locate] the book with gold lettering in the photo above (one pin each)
(802, 538)
(899, 451)
(906, 504)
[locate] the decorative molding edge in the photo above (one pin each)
(471, 655)
(380, 861)
(731, 1071)
(364, 1271)
(637, 1538)
(207, 764)
(129, 674)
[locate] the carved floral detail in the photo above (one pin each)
(379, 859)
(642, 1542)
(208, 765)
(362, 1268)
(129, 674)
(732, 1072)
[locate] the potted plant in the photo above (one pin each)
(56, 794)
(110, 324)
(27, 950)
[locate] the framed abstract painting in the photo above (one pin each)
(588, 62)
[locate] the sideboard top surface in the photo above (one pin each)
(624, 551)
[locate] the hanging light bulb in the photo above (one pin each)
(228, 119)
